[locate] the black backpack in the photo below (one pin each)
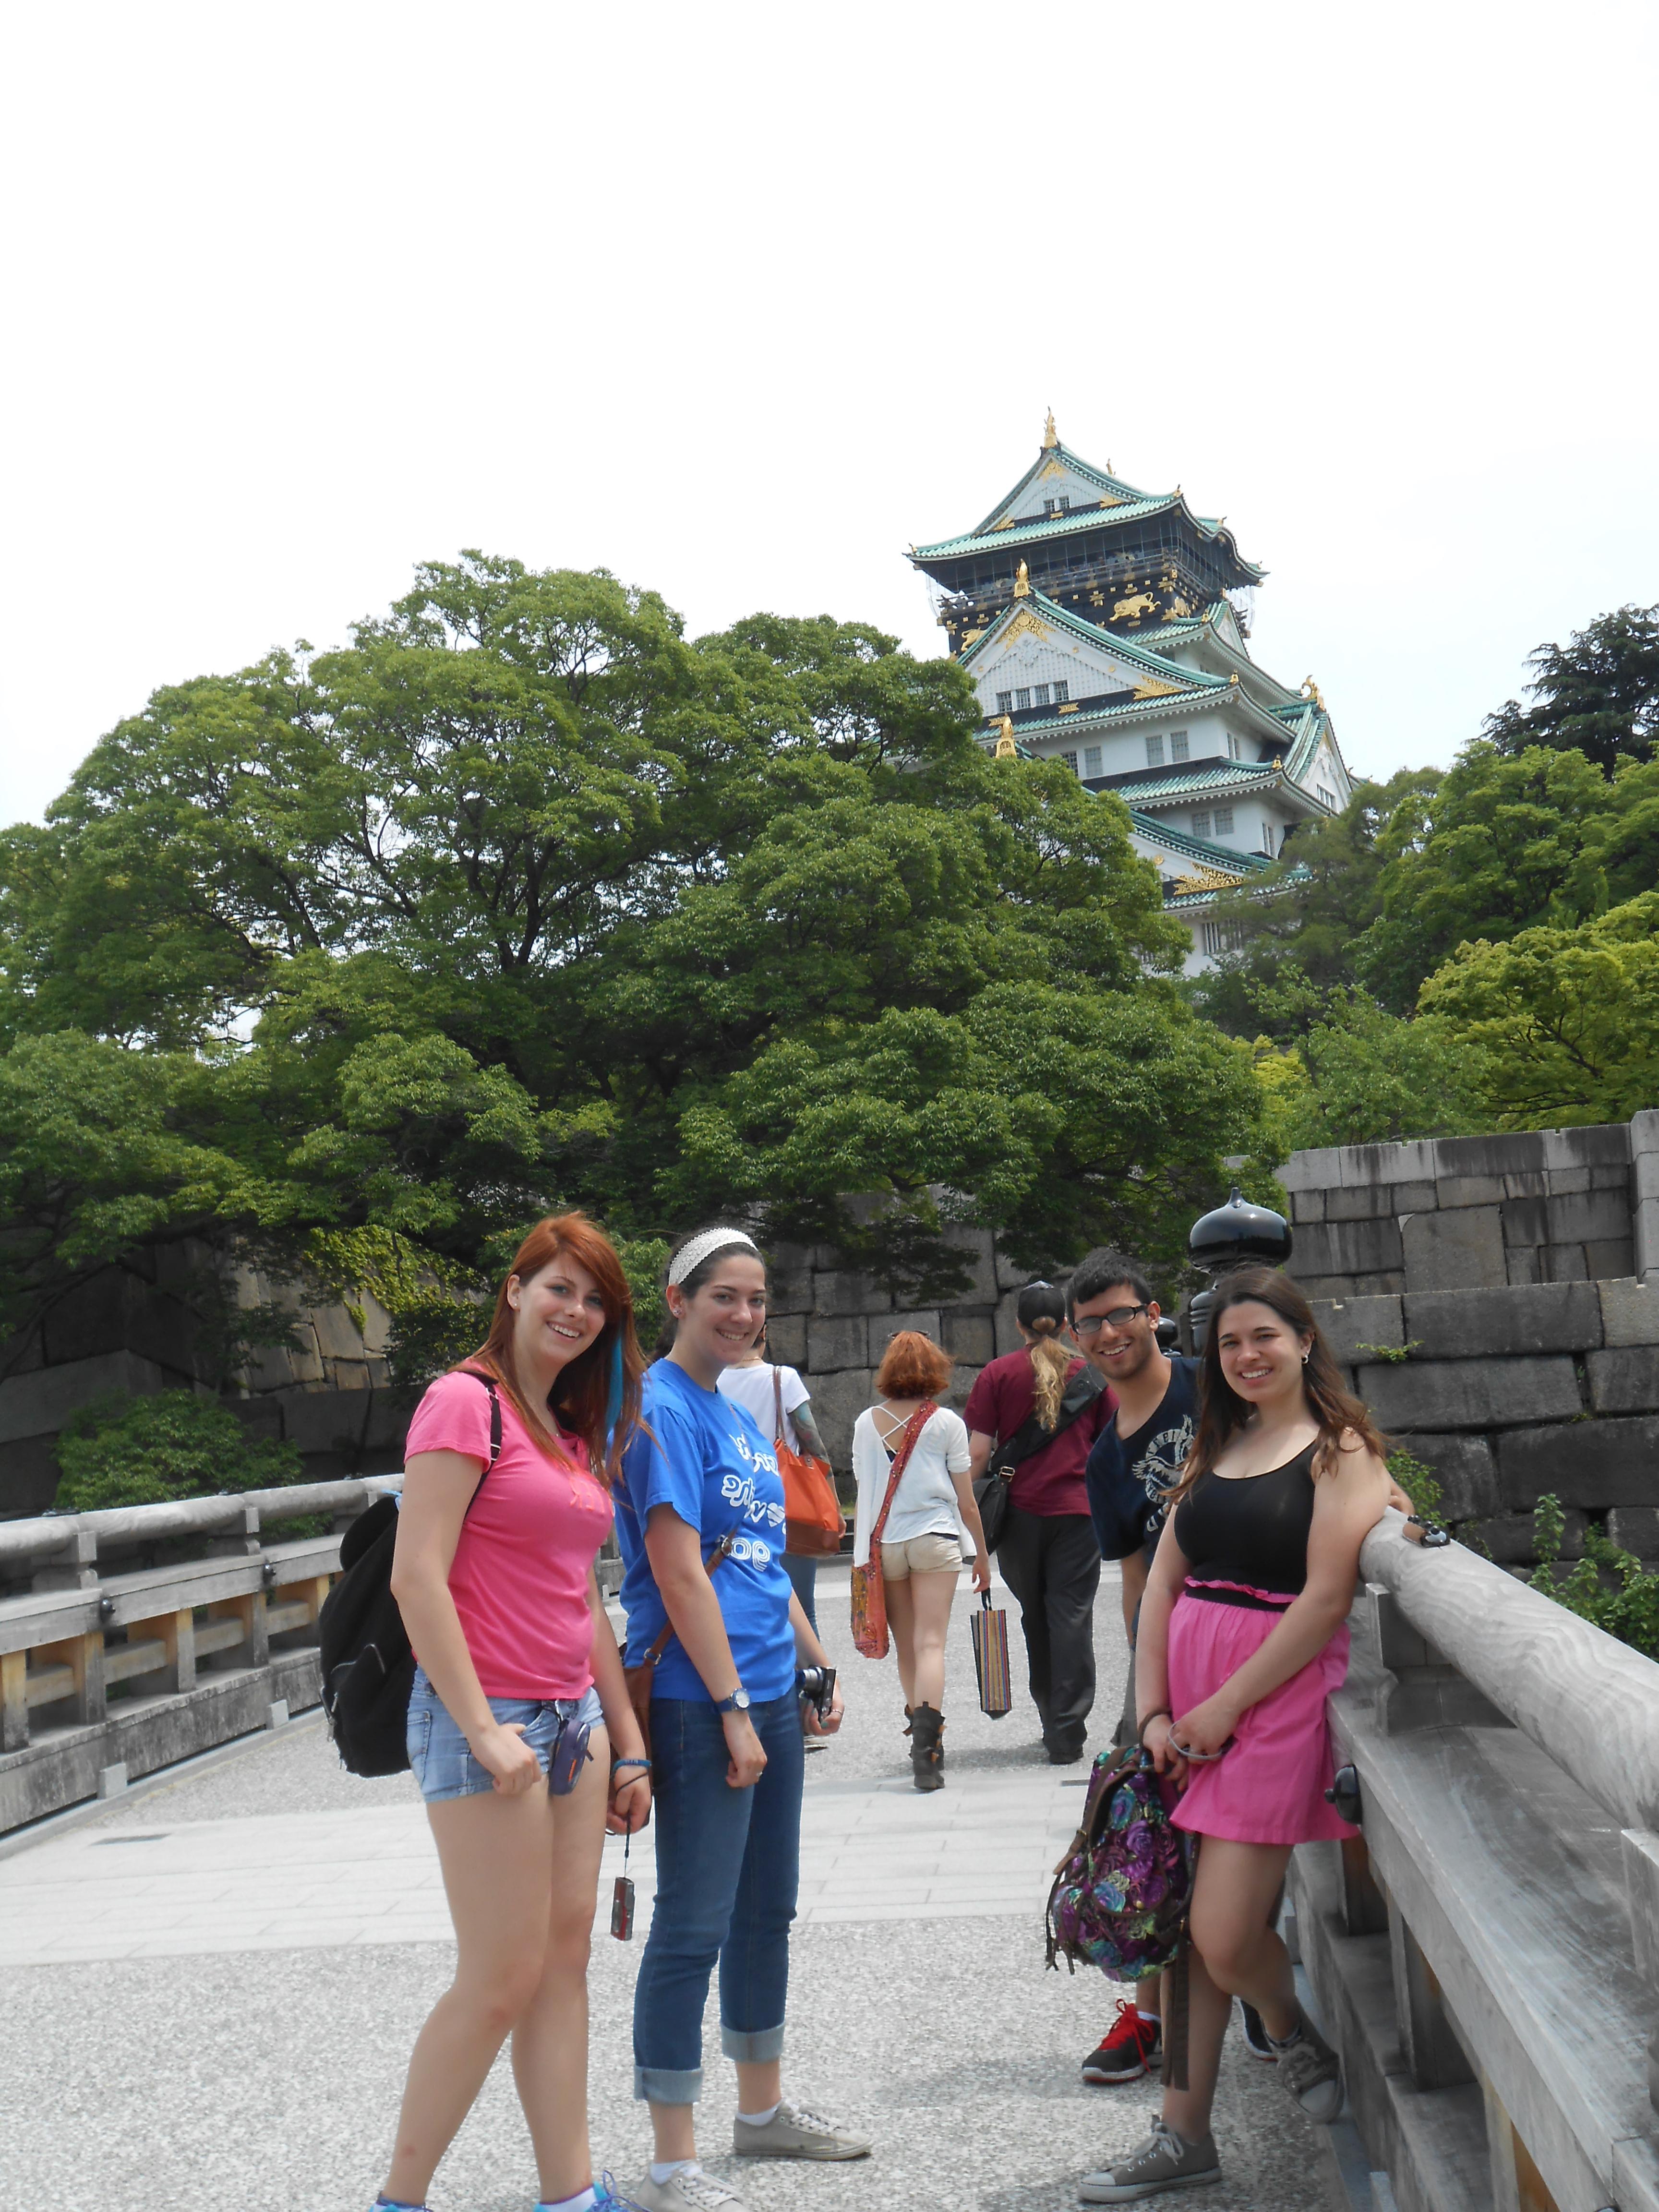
(367, 1667)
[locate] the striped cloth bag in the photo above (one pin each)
(990, 1628)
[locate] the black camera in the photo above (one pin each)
(816, 1686)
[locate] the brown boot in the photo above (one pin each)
(926, 1723)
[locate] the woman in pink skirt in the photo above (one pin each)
(1242, 1638)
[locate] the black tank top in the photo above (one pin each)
(1250, 1530)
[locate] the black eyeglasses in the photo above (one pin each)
(1119, 1317)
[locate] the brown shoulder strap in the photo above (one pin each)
(722, 1551)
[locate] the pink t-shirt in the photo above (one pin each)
(520, 1577)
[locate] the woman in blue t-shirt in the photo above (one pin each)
(726, 1732)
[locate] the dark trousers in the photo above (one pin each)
(1051, 1562)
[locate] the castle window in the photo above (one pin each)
(1329, 798)
(1040, 696)
(1201, 825)
(1063, 693)
(1005, 702)
(1070, 759)
(1217, 937)
(1234, 750)
(1178, 749)
(1267, 839)
(1091, 760)
(1223, 822)
(1154, 752)
(1054, 506)
(1022, 699)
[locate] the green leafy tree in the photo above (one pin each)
(1562, 1023)
(1608, 1587)
(1597, 695)
(1297, 924)
(513, 902)
(145, 1451)
(1505, 844)
(1362, 1075)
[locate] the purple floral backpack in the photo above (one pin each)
(1120, 1893)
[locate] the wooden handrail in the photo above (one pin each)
(1589, 1701)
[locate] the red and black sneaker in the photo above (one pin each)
(1134, 2046)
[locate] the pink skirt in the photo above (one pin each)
(1270, 1788)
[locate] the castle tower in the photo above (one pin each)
(1106, 627)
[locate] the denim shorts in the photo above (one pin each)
(441, 1758)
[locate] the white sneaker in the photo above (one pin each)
(794, 2132)
(689, 2189)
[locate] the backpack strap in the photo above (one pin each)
(1080, 1393)
(488, 1382)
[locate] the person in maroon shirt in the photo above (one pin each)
(1049, 1552)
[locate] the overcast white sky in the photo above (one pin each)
(740, 300)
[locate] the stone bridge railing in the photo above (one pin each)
(1487, 1954)
(137, 1638)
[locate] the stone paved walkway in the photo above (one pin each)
(209, 1992)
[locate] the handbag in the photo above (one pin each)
(869, 1596)
(990, 1628)
(991, 1488)
(812, 1510)
(639, 1678)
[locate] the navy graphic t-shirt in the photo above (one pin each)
(707, 1458)
(1129, 1478)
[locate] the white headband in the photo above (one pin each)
(691, 1256)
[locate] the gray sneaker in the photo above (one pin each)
(1312, 2073)
(1165, 2160)
(690, 2190)
(794, 2132)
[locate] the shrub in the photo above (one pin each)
(1420, 1484)
(1608, 1587)
(145, 1451)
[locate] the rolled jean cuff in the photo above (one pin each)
(752, 2046)
(662, 2085)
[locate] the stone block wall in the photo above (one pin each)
(1511, 1391)
(1454, 1213)
(833, 1326)
(131, 1329)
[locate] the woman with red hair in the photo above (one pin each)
(930, 1530)
(519, 1703)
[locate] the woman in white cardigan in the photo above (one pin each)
(932, 1530)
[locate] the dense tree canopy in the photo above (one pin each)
(1597, 695)
(525, 899)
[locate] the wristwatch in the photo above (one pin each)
(737, 1703)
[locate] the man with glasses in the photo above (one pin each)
(1135, 1462)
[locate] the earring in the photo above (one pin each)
(1304, 1359)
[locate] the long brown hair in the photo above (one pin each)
(595, 1397)
(1222, 1412)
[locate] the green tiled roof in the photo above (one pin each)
(1190, 680)
(1115, 485)
(1130, 504)
(1203, 780)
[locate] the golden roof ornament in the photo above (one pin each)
(1021, 583)
(1050, 435)
(1006, 747)
(1310, 690)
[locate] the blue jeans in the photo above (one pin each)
(728, 1865)
(443, 1760)
(802, 1570)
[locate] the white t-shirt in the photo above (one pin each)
(751, 1389)
(926, 1501)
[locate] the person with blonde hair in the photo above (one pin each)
(931, 1530)
(1035, 1414)
(521, 1737)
